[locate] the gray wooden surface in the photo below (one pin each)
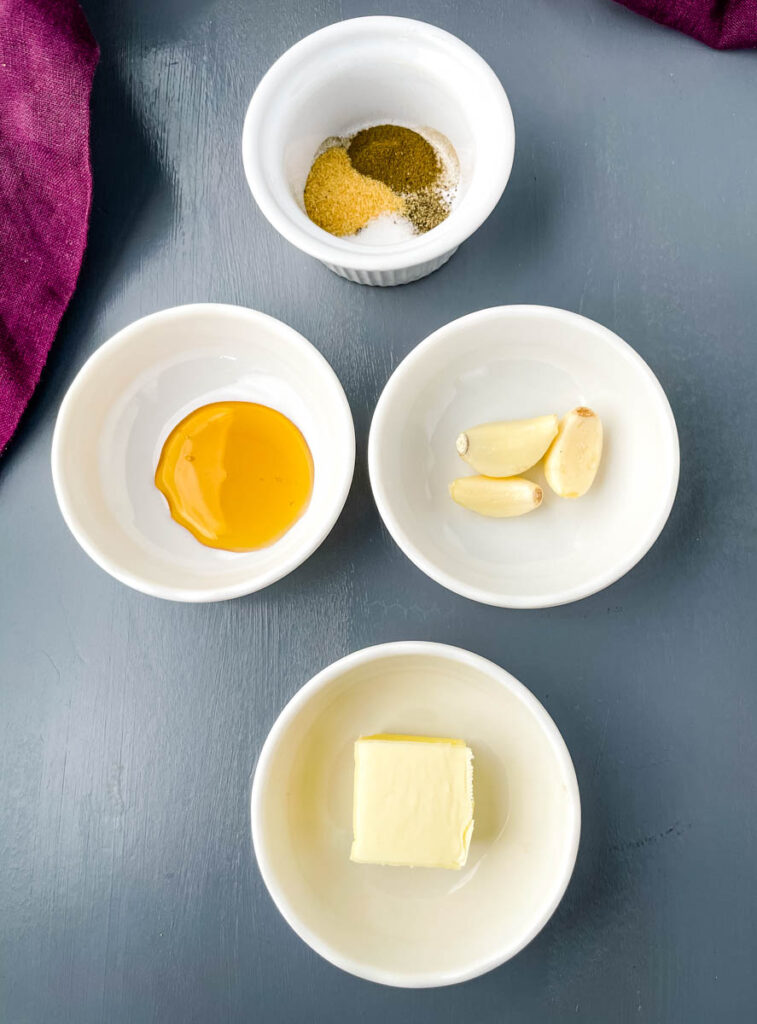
(129, 727)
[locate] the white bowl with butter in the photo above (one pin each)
(511, 363)
(416, 927)
(368, 71)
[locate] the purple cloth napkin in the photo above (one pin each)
(723, 24)
(47, 61)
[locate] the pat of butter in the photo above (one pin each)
(413, 802)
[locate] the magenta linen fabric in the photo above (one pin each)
(723, 24)
(47, 61)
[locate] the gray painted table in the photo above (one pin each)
(129, 727)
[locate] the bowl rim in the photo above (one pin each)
(318, 243)
(93, 365)
(553, 598)
(323, 679)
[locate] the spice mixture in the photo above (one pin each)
(382, 170)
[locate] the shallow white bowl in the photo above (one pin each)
(507, 363)
(369, 71)
(128, 397)
(400, 926)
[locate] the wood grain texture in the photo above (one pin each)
(129, 727)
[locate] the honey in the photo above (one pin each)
(237, 475)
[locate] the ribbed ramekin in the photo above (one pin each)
(370, 71)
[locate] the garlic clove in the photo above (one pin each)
(572, 461)
(508, 447)
(496, 497)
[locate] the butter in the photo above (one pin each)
(413, 801)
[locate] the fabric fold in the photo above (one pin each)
(48, 58)
(722, 24)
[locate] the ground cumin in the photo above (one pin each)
(341, 200)
(399, 157)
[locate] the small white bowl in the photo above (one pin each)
(424, 927)
(371, 71)
(131, 393)
(513, 362)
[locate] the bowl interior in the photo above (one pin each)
(506, 364)
(129, 397)
(423, 926)
(369, 71)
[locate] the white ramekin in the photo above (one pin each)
(368, 71)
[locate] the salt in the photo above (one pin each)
(386, 229)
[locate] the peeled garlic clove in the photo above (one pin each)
(499, 498)
(508, 447)
(572, 461)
